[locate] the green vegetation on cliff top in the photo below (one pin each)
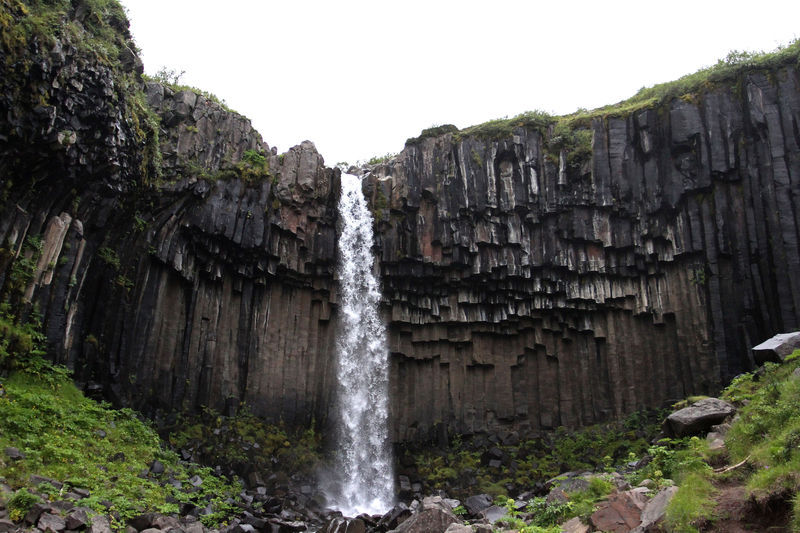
(98, 28)
(98, 32)
(172, 79)
(728, 70)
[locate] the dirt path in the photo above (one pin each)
(736, 513)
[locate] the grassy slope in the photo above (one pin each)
(85, 444)
(765, 439)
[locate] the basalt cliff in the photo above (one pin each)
(534, 275)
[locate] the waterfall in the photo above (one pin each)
(364, 461)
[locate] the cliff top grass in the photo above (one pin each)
(171, 78)
(735, 65)
(99, 27)
(727, 70)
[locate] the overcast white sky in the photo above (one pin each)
(359, 77)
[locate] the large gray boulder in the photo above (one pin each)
(698, 417)
(476, 504)
(654, 512)
(777, 348)
(434, 516)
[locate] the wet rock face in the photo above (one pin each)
(524, 290)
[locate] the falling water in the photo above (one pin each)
(364, 457)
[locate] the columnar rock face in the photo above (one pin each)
(526, 285)
(197, 293)
(528, 292)
(205, 286)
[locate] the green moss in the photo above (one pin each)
(171, 79)
(574, 139)
(476, 159)
(73, 439)
(767, 432)
(729, 70)
(594, 447)
(377, 160)
(101, 31)
(146, 125)
(23, 268)
(549, 515)
(245, 439)
(57, 430)
(379, 205)
(766, 436)
(20, 503)
(504, 127)
(433, 131)
(109, 257)
(572, 132)
(584, 501)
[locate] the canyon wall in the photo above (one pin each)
(528, 291)
(178, 262)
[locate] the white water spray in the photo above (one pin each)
(363, 455)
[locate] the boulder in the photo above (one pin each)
(620, 513)
(287, 526)
(35, 512)
(51, 523)
(698, 417)
(157, 467)
(78, 518)
(574, 525)
(142, 521)
(37, 480)
(458, 528)
(556, 496)
(494, 513)
(195, 527)
(476, 504)
(452, 503)
(394, 517)
(345, 525)
(100, 525)
(570, 484)
(14, 454)
(655, 509)
(434, 516)
(716, 442)
(166, 523)
(6, 525)
(777, 348)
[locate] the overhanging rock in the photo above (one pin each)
(777, 348)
